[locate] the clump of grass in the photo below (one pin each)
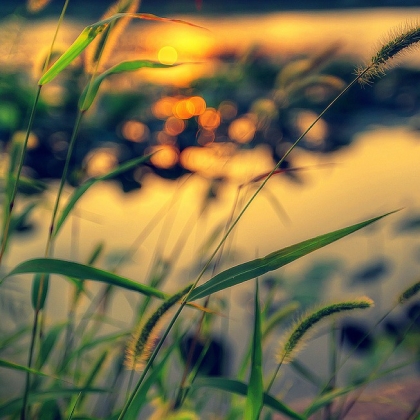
(296, 338)
(143, 340)
(401, 40)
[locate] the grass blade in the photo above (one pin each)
(255, 393)
(10, 408)
(239, 388)
(273, 261)
(81, 271)
(10, 365)
(78, 193)
(39, 290)
(89, 93)
(88, 35)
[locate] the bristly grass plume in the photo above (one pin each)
(401, 39)
(293, 340)
(143, 340)
(409, 293)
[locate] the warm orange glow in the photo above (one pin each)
(162, 109)
(210, 160)
(174, 126)
(167, 55)
(209, 119)
(19, 136)
(317, 134)
(100, 161)
(165, 157)
(205, 137)
(242, 129)
(183, 109)
(135, 131)
(228, 110)
(198, 105)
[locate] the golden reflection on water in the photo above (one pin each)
(286, 33)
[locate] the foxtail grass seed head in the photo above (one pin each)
(409, 293)
(295, 339)
(142, 342)
(401, 39)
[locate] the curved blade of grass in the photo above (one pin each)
(255, 393)
(15, 366)
(239, 388)
(82, 271)
(89, 93)
(48, 344)
(273, 261)
(88, 35)
(39, 290)
(78, 193)
(13, 406)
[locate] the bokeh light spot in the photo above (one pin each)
(228, 110)
(209, 119)
(135, 131)
(205, 137)
(174, 126)
(165, 157)
(101, 161)
(167, 55)
(162, 109)
(242, 130)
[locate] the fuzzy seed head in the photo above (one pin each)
(410, 292)
(143, 340)
(400, 40)
(296, 337)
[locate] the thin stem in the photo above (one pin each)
(235, 222)
(19, 170)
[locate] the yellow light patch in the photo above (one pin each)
(167, 55)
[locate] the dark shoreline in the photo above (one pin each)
(78, 8)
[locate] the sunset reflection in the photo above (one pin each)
(165, 156)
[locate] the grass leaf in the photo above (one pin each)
(39, 290)
(12, 406)
(88, 35)
(15, 366)
(89, 93)
(239, 388)
(78, 193)
(255, 393)
(81, 271)
(273, 261)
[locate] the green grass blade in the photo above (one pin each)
(12, 407)
(88, 35)
(90, 91)
(82, 41)
(15, 366)
(91, 376)
(273, 261)
(81, 271)
(40, 290)
(140, 397)
(78, 193)
(239, 388)
(48, 344)
(255, 393)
